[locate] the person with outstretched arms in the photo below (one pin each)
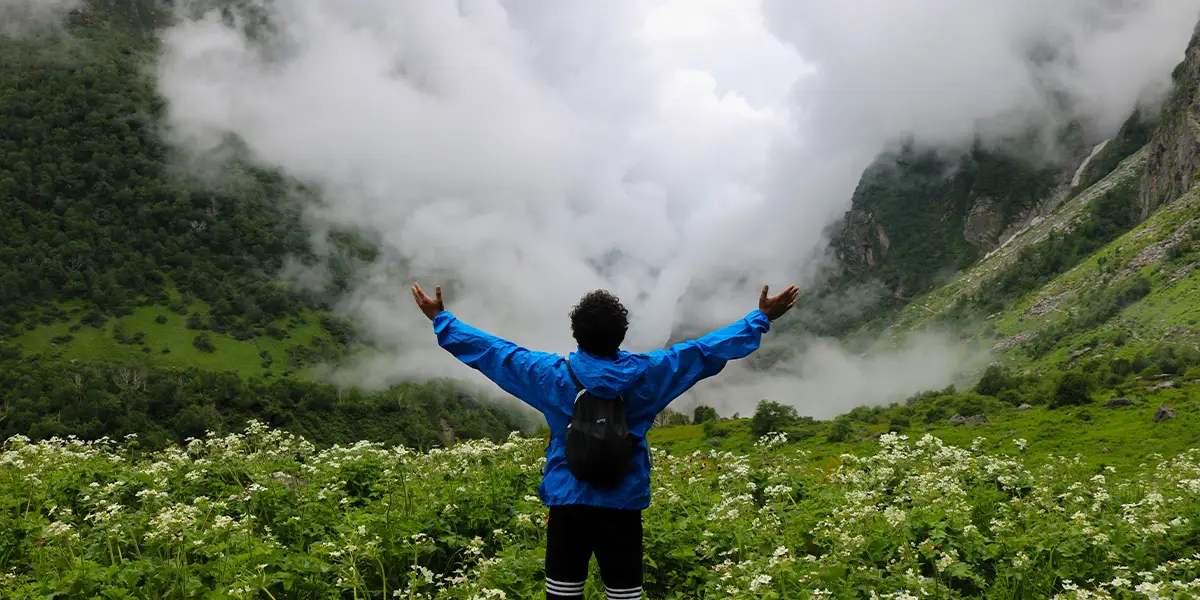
(599, 402)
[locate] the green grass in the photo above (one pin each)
(92, 343)
(265, 514)
(921, 312)
(1129, 433)
(1169, 312)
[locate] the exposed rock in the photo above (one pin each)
(983, 223)
(1118, 402)
(1162, 385)
(884, 240)
(958, 420)
(860, 240)
(1163, 413)
(1012, 341)
(1137, 235)
(1025, 407)
(1155, 252)
(1174, 158)
(1106, 451)
(1044, 305)
(977, 420)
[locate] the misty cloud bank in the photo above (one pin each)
(678, 152)
(18, 17)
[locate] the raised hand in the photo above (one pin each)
(430, 306)
(775, 307)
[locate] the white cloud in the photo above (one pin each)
(18, 17)
(697, 149)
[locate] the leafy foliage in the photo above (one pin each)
(1071, 390)
(90, 211)
(163, 406)
(995, 380)
(704, 413)
(772, 417)
(265, 514)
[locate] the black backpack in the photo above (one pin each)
(599, 445)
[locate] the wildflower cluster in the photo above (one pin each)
(265, 514)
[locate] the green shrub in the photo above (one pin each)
(714, 428)
(1072, 389)
(995, 379)
(771, 417)
(1012, 397)
(203, 343)
(840, 431)
(703, 414)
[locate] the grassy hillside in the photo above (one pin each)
(1047, 298)
(155, 335)
(1100, 436)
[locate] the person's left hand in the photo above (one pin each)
(430, 306)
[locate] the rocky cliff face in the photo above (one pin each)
(861, 240)
(1174, 157)
(984, 223)
(919, 214)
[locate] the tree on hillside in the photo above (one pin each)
(1072, 389)
(840, 431)
(771, 416)
(704, 413)
(995, 379)
(670, 418)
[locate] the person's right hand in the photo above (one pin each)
(430, 306)
(774, 307)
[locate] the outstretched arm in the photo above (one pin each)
(676, 369)
(516, 370)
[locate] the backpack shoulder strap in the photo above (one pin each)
(578, 385)
(581, 389)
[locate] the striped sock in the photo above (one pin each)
(633, 593)
(558, 589)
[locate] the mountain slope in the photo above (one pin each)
(1111, 270)
(122, 270)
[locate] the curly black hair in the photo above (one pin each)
(599, 323)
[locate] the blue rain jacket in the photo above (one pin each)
(648, 381)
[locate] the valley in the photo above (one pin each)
(170, 432)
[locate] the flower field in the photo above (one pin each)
(267, 515)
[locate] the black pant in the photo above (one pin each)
(615, 536)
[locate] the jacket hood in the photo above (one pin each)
(608, 377)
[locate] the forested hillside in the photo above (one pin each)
(134, 291)
(921, 215)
